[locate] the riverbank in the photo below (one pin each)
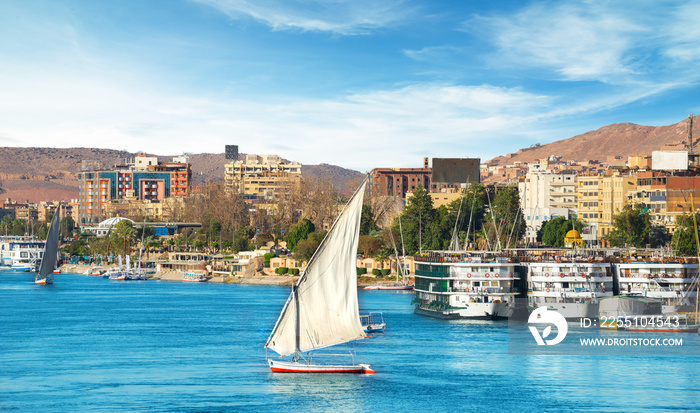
(260, 278)
(176, 276)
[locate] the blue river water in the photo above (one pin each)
(90, 344)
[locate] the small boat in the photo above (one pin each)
(322, 310)
(394, 287)
(193, 277)
(117, 273)
(373, 322)
(94, 272)
(50, 256)
(400, 271)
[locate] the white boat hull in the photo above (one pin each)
(484, 311)
(574, 311)
(389, 287)
(296, 367)
(43, 281)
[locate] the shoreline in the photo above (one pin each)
(258, 279)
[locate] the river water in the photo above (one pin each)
(90, 344)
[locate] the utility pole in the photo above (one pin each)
(690, 133)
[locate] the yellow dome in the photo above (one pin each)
(573, 237)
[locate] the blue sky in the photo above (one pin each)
(357, 83)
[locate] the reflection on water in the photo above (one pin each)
(91, 344)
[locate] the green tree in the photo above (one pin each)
(122, 237)
(631, 227)
(367, 222)
(299, 231)
(508, 217)
(440, 230)
(554, 231)
(369, 245)
(77, 247)
(415, 221)
(470, 218)
(683, 240)
(67, 226)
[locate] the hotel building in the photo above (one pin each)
(141, 179)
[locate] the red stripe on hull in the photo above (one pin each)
(357, 371)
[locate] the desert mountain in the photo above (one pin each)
(619, 139)
(46, 174)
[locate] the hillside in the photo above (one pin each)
(44, 174)
(619, 139)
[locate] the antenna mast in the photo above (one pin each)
(690, 133)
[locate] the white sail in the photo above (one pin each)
(128, 263)
(326, 292)
(121, 268)
(48, 262)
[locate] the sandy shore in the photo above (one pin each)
(176, 276)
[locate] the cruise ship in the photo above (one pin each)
(462, 285)
(672, 281)
(571, 287)
(20, 253)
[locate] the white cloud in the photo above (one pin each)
(362, 131)
(346, 17)
(432, 53)
(576, 41)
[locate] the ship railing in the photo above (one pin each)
(554, 274)
(461, 273)
(570, 290)
(485, 290)
(669, 276)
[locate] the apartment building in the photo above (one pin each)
(399, 181)
(545, 195)
(142, 178)
(261, 177)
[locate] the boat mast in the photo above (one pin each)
(297, 325)
(697, 249)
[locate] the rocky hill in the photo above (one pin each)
(619, 139)
(45, 174)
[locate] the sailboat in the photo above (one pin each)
(322, 309)
(400, 269)
(48, 262)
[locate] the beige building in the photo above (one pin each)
(261, 177)
(601, 197)
(615, 190)
(440, 198)
(589, 209)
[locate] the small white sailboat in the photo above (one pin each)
(50, 258)
(322, 310)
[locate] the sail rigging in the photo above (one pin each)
(48, 262)
(323, 310)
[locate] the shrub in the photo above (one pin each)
(268, 257)
(361, 270)
(281, 270)
(376, 272)
(386, 272)
(294, 271)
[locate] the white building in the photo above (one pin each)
(545, 195)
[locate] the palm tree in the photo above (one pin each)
(122, 236)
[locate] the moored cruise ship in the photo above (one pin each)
(460, 285)
(569, 286)
(20, 253)
(671, 282)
